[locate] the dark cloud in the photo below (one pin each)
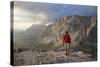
(57, 10)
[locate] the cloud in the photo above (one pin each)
(41, 13)
(21, 14)
(21, 26)
(25, 25)
(48, 24)
(23, 19)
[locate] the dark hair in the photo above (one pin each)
(66, 31)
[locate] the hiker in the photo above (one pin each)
(67, 42)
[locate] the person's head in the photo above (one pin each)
(66, 32)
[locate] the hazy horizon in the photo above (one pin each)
(27, 14)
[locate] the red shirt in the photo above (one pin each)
(66, 38)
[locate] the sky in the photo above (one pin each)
(35, 13)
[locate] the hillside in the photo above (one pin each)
(74, 24)
(43, 39)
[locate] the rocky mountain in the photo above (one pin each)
(42, 44)
(28, 37)
(45, 37)
(73, 24)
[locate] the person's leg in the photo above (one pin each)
(65, 47)
(69, 46)
(66, 51)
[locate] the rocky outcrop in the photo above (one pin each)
(45, 46)
(73, 24)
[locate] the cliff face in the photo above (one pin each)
(73, 24)
(42, 45)
(50, 37)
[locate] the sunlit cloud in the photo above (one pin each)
(28, 13)
(48, 24)
(23, 19)
(21, 26)
(24, 15)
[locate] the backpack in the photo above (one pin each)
(67, 38)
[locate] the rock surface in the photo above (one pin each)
(33, 58)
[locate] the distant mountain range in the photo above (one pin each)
(41, 36)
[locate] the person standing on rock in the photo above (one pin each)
(67, 42)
